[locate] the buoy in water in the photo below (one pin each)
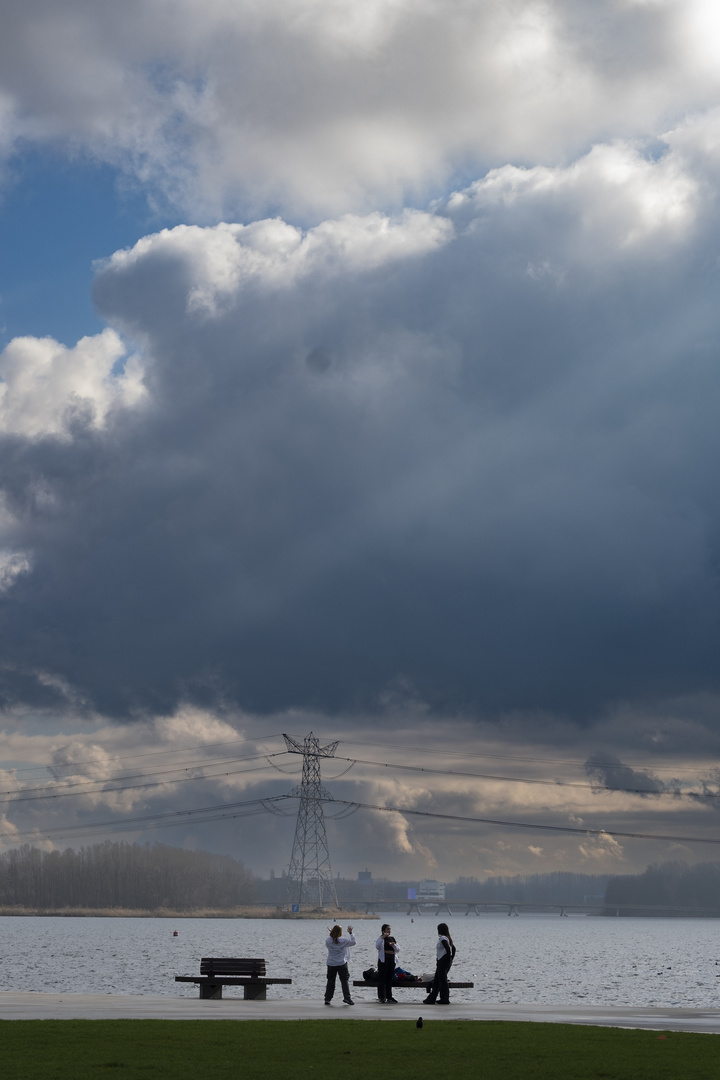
(175, 933)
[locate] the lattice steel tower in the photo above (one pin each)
(310, 877)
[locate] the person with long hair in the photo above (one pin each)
(338, 948)
(387, 950)
(445, 954)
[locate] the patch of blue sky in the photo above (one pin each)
(56, 218)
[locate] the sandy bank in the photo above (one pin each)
(195, 913)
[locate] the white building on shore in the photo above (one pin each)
(430, 891)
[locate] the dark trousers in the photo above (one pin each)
(440, 982)
(386, 970)
(332, 973)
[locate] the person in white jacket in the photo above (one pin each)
(387, 950)
(338, 948)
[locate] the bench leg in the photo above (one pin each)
(255, 993)
(211, 990)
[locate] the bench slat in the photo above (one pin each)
(228, 980)
(232, 959)
(232, 970)
(232, 965)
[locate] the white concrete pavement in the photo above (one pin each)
(60, 1006)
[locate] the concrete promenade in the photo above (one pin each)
(31, 1006)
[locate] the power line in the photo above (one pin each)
(149, 753)
(435, 750)
(531, 825)
(47, 792)
(229, 811)
(257, 806)
(63, 793)
(529, 779)
(158, 820)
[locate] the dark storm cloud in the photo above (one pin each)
(469, 455)
(610, 774)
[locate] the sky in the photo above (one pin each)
(359, 374)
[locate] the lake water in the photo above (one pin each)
(531, 959)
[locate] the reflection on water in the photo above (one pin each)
(532, 959)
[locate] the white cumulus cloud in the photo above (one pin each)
(223, 260)
(328, 107)
(44, 385)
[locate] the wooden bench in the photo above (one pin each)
(219, 971)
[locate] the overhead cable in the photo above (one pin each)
(528, 779)
(63, 791)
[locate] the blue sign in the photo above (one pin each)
(411, 894)
(295, 908)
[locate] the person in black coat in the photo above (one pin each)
(445, 954)
(387, 950)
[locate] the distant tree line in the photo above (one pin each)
(673, 885)
(122, 875)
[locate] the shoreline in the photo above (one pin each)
(243, 912)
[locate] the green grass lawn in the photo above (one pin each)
(256, 1050)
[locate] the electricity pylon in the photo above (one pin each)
(310, 876)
